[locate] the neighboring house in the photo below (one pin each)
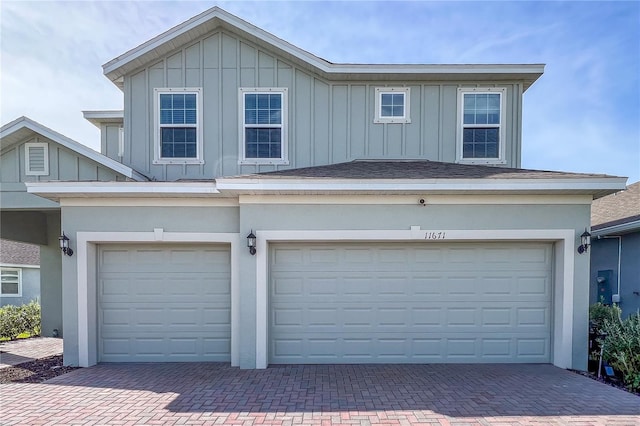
(615, 249)
(19, 273)
(393, 222)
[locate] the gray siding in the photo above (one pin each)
(329, 121)
(64, 165)
(604, 256)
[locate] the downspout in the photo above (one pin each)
(619, 258)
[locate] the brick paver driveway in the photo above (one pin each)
(209, 393)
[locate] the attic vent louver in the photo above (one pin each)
(36, 159)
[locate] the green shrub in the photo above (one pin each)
(622, 348)
(599, 313)
(16, 320)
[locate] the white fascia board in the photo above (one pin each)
(112, 69)
(58, 190)
(435, 185)
(104, 116)
(622, 228)
(27, 123)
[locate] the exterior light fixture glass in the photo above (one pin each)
(251, 243)
(585, 240)
(64, 245)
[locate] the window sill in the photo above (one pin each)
(392, 121)
(10, 295)
(264, 162)
(482, 161)
(179, 161)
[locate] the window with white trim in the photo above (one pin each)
(392, 105)
(263, 125)
(36, 157)
(480, 130)
(10, 282)
(178, 125)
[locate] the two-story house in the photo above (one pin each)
(392, 220)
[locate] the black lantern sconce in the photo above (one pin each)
(585, 240)
(251, 243)
(64, 245)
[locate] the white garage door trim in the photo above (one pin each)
(86, 253)
(563, 271)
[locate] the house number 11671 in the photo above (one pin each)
(434, 236)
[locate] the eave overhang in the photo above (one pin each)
(98, 118)
(56, 191)
(216, 19)
(597, 187)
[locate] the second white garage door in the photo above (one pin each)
(410, 303)
(164, 303)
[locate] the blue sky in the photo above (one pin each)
(582, 115)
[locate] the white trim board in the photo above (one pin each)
(564, 239)
(86, 252)
(429, 199)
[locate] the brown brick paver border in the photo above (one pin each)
(212, 394)
(24, 350)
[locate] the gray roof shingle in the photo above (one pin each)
(15, 253)
(616, 209)
(414, 169)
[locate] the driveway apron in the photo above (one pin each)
(211, 393)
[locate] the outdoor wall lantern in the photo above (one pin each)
(585, 239)
(251, 243)
(64, 245)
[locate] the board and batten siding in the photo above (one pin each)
(329, 121)
(64, 165)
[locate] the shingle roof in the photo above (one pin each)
(616, 209)
(414, 169)
(15, 253)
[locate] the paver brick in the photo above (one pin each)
(210, 393)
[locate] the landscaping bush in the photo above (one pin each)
(16, 320)
(622, 348)
(599, 313)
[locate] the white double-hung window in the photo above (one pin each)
(178, 125)
(392, 105)
(263, 125)
(480, 128)
(10, 282)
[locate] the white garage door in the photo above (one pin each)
(164, 303)
(410, 303)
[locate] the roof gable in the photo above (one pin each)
(218, 19)
(24, 127)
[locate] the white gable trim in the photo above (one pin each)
(27, 123)
(217, 17)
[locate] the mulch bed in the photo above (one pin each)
(35, 371)
(616, 384)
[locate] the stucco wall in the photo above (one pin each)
(339, 216)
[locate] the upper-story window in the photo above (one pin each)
(480, 131)
(178, 129)
(392, 105)
(263, 130)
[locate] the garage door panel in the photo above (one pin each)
(409, 303)
(359, 348)
(429, 317)
(164, 303)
